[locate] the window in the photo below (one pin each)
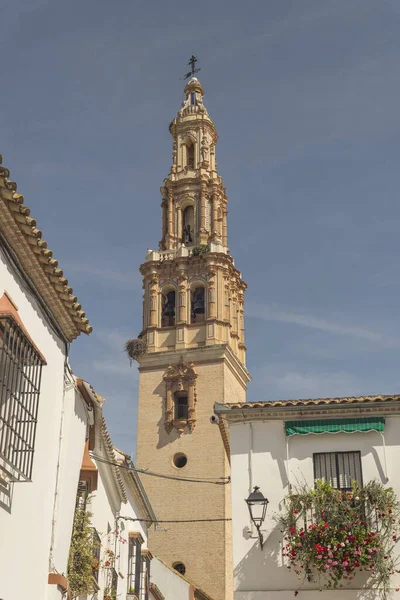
(192, 97)
(190, 156)
(188, 226)
(82, 493)
(134, 564)
(180, 567)
(145, 576)
(340, 469)
(197, 305)
(181, 405)
(96, 554)
(168, 310)
(20, 374)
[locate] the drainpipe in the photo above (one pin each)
(57, 486)
(250, 529)
(250, 457)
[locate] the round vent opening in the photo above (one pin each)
(180, 460)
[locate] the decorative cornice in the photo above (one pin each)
(36, 260)
(317, 407)
(135, 535)
(205, 354)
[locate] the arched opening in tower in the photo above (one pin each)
(188, 226)
(198, 305)
(190, 156)
(168, 310)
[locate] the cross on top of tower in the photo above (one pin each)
(192, 63)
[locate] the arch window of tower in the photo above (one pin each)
(181, 405)
(190, 156)
(168, 308)
(192, 98)
(197, 304)
(188, 226)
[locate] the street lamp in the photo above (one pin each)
(257, 508)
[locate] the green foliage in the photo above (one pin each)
(333, 535)
(201, 249)
(82, 561)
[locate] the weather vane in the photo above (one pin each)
(192, 63)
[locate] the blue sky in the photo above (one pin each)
(305, 98)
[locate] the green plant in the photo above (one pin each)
(110, 594)
(201, 249)
(82, 561)
(334, 535)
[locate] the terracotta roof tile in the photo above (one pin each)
(315, 402)
(25, 240)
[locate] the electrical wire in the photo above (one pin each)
(222, 480)
(177, 520)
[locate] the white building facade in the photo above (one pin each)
(280, 446)
(43, 418)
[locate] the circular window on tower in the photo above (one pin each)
(180, 460)
(180, 567)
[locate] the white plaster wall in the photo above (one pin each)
(105, 505)
(264, 571)
(73, 438)
(26, 529)
(171, 585)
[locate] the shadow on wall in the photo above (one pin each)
(6, 493)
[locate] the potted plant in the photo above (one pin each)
(331, 536)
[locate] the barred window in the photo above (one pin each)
(340, 469)
(96, 554)
(145, 578)
(20, 375)
(134, 565)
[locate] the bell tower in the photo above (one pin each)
(193, 324)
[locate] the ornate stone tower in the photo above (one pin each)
(194, 327)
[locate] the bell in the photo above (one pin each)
(169, 308)
(198, 302)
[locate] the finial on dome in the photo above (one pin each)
(192, 63)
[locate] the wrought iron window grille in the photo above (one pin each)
(96, 554)
(20, 378)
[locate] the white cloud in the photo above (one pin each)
(269, 312)
(103, 275)
(279, 381)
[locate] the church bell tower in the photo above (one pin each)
(193, 324)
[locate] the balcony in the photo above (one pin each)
(165, 255)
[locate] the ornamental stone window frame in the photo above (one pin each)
(180, 377)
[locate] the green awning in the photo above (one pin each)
(334, 425)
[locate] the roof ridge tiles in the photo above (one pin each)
(25, 239)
